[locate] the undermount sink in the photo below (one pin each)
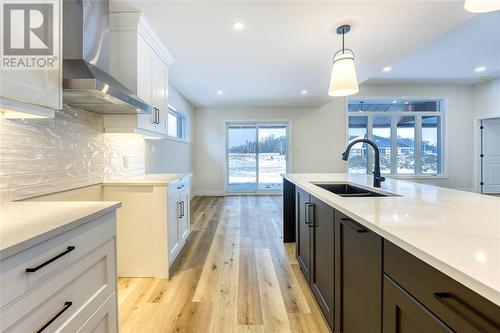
(348, 190)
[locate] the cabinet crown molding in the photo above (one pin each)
(135, 21)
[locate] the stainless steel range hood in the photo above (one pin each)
(86, 81)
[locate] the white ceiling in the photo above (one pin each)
(287, 45)
(453, 57)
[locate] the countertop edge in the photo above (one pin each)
(153, 182)
(35, 240)
(480, 288)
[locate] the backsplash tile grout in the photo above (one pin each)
(42, 156)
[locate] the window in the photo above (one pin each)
(409, 134)
(176, 123)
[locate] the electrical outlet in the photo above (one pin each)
(125, 161)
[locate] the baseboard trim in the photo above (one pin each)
(208, 193)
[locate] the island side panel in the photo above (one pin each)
(288, 211)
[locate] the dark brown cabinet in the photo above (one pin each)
(404, 314)
(303, 234)
(322, 261)
(358, 277)
(366, 284)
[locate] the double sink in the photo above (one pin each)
(350, 191)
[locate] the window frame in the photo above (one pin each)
(418, 134)
(184, 125)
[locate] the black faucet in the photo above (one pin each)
(377, 177)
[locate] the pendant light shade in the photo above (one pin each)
(343, 81)
(481, 6)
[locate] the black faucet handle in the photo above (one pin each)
(381, 178)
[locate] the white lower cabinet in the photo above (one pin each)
(75, 294)
(153, 225)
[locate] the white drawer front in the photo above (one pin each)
(104, 320)
(180, 185)
(15, 280)
(86, 284)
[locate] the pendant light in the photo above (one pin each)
(481, 6)
(343, 81)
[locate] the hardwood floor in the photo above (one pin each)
(234, 275)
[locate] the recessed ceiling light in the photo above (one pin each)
(479, 69)
(220, 92)
(387, 69)
(304, 92)
(238, 26)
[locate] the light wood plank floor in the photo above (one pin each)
(234, 275)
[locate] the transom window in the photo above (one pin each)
(409, 134)
(176, 123)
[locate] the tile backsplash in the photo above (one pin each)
(41, 156)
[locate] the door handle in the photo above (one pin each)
(179, 207)
(466, 312)
(348, 222)
(309, 213)
(182, 208)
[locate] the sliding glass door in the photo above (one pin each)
(257, 155)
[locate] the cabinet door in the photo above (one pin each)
(358, 277)
(184, 220)
(144, 71)
(322, 266)
(160, 76)
(173, 213)
(303, 244)
(404, 314)
(38, 87)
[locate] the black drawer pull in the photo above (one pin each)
(180, 186)
(66, 307)
(348, 222)
(467, 313)
(34, 269)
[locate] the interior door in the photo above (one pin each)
(491, 160)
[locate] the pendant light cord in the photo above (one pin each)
(343, 48)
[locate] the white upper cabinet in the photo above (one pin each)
(28, 91)
(140, 61)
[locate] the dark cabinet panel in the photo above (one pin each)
(303, 234)
(404, 314)
(322, 266)
(459, 307)
(358, 277)
(288, 211)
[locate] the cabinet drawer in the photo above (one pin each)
(177, 187)
(57, 254)
(460, 308)
(104, 320)
(67, 301)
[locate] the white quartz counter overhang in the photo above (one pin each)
(454, 231)
(27, 223)
(149, 179)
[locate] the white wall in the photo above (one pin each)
(171, 155)
(486, 97)
(318, 135)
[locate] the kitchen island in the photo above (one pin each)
(422, 257)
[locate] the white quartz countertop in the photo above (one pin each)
(27, 223)
(454, 231)
(148, 179)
